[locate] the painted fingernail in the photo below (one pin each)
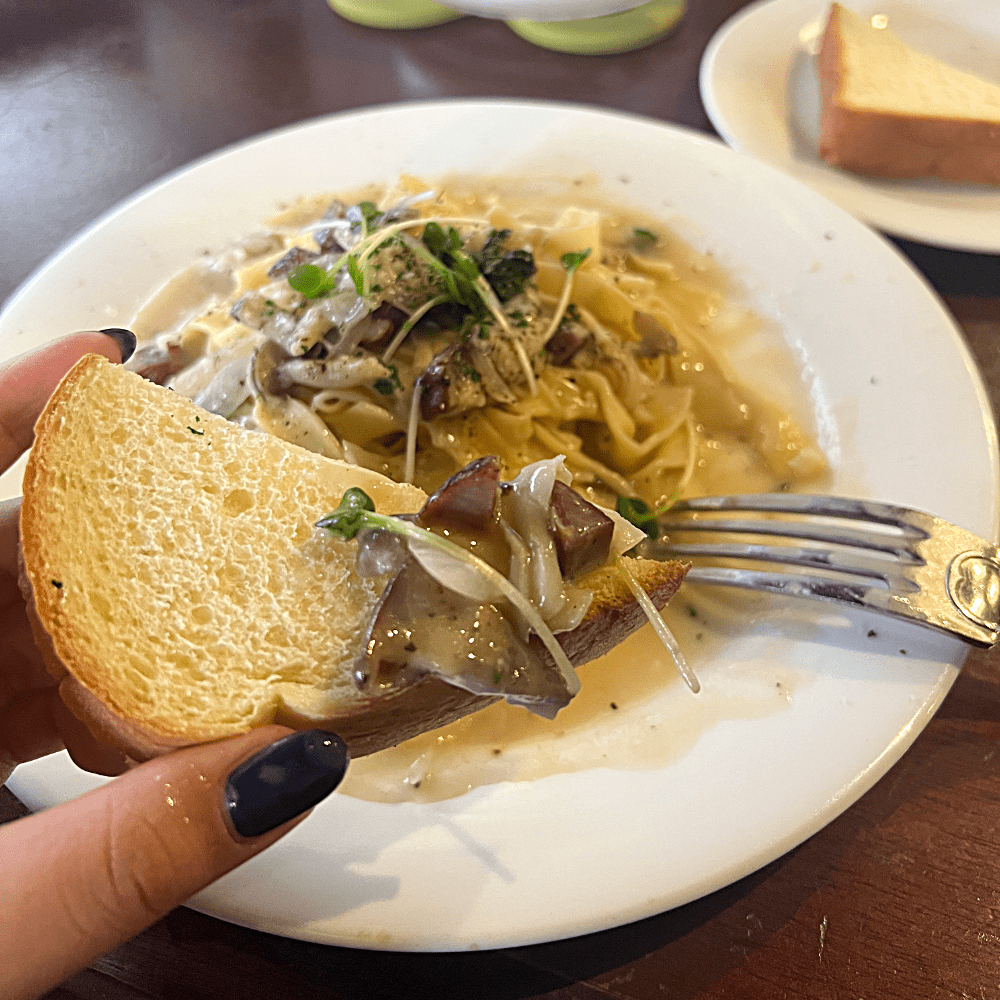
(284, 780)
(125, 339)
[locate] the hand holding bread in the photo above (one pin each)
(82, 877)
(182, 593)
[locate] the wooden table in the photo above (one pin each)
(897, 898)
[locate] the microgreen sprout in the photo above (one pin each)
(369, 214)
(351, 514)
(571, 261)
(356, 275)
(311, 281)
(415, 317)
(639, 513)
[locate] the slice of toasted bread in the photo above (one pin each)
(179, 588)
(891, 111)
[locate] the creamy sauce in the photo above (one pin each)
(633, 712)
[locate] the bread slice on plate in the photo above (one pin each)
(180, 590)
(891, 111)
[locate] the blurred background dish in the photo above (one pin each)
(585, 27)
(759, 87)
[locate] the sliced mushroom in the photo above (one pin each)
(421, 627)
(563, 345)
(158, 362)
(228, 390)
(340, 372)
(656, 339)
(450, 384)
(332, 228)
(282, 415)
(291, 260)
(496, 388)
(252, 310)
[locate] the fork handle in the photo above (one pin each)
(973, 582)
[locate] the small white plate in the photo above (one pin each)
(801, 711)
(759, 87)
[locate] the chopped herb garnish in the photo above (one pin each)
(509, 275)
(57, 584)
(387, 386)
(645, 234)
(195, 431)
(506, 273)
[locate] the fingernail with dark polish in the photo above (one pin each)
(284, 780)
(125, 340)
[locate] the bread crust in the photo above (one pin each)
(879, 144)
(367, 724)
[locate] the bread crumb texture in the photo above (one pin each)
(882, 72)
(175, 563)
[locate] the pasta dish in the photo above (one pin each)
(412, 330)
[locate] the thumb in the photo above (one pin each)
(84, 876)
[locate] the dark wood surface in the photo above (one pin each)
(898, 898)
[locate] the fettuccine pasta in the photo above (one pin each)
(419, 328)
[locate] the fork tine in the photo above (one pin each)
(890, 573)
(898, 545)
(872, 555)
(787, 584)
(911, 522)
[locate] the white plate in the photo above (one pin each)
(759, 87)
(753, 768)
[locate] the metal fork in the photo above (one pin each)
(870, 555)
